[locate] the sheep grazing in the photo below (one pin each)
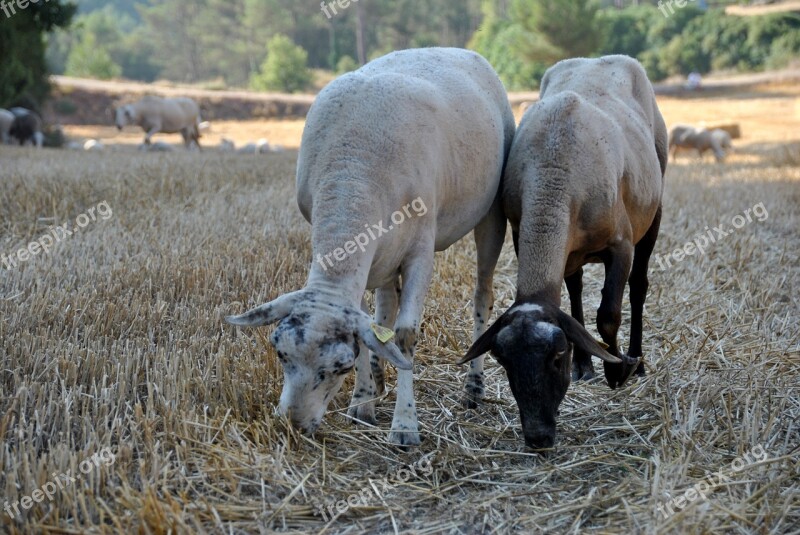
(398, 159)
(259, 147)
(6, 120)
(699, 139)
(583, 183)
(26, 127)
(166, 115)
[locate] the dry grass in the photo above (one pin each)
(115, 339)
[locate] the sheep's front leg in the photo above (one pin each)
(362, 404)
(617, 260)
(582, 368)
(150, 133)
(416, 273)
(369, 368)
(489, 236)
(385, 315)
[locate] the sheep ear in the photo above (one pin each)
(484, 343)
(388, 350)
(268, 312)
(581, 338)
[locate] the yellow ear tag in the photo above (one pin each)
(382, 333)
(602, 344)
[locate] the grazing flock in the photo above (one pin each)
(580, 180)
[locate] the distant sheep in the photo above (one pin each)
(583, 184)
(699, 139)
(26, 127)
(6, 120)
(167, 115)
(259, 147)
(93, 144)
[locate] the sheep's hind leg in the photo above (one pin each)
(582, 369)
(638, 285)
(489, 235)
(617, 260)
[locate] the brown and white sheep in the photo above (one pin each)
(583, 183)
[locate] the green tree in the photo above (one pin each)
(556, 29)
(285, 69)
(23, 71)
(88, 60)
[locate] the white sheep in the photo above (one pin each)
(699, 139)
(93, 145)
(227, 145)
(167, 115)
(424, 130)
(583, 183)
(259, 147)
(6, 120)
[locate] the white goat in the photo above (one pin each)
(167, 115)
(426, 129)
(583, 183)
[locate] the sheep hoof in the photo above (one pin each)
(472, 399)
(363, 412)
(583, 372)
(618, 374)
(405, 438)
(473, 391)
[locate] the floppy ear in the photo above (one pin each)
(484, 343)
(581, 338)
(387, 351)
(268, 312)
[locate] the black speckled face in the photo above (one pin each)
(317, 352)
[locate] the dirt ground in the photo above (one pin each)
(118, 371)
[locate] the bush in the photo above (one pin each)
(498, 41)
(783, 50)
(285, 68)
(88, 60)
(346, 64)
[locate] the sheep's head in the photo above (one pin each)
(533, 342)
(124, 116)
(317, 341)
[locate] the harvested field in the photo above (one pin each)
(113, 345)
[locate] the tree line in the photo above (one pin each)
(284, 44)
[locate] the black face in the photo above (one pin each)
(533, 341)
(537, 358)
